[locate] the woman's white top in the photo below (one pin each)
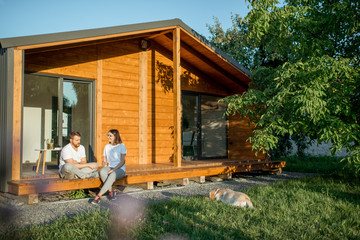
(113, 154)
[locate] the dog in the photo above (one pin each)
(228, 196)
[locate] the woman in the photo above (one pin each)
(113, 164)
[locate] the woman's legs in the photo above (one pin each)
(117, 174)
(104, 173)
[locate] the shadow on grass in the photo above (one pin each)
(193, 217)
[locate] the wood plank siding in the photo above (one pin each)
(115, 68)
(239, 131)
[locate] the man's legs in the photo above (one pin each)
(69, 171)
(66, 172)
(91, 172)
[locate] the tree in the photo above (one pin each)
(304, 57)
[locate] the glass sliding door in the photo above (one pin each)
(53, 107)
(204, 127)
(40, 118)
(76, 112)
(213, 127)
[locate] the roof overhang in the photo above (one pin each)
(195, 49)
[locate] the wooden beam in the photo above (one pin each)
(215, 66)
(211, 49)
(98, 108)
(143, 72)
(204, 59)
(188, 66)
(41, 45)
(159, 34)
(83, 44)
(177, 97)
(16, 144)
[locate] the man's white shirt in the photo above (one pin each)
(68, 152)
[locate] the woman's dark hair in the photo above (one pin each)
(116, 134)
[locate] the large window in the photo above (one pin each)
(53, 107)
(204, 126)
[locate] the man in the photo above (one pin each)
(73, 160)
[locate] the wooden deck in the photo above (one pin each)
(147, 173)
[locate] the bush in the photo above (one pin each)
(78, 194)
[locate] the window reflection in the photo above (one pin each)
(47, 100)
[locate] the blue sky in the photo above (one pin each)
(32, 17)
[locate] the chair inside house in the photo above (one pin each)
(189, 143)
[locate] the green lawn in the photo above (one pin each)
(310, 208)
(93, 225)
(319, 164)
(321, 207)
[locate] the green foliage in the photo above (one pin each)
(284, 145)
(283, 148)
(306, 81)
(302, 143)
(78, 194)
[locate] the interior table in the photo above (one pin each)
(43, 155)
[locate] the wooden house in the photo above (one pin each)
(158, 83)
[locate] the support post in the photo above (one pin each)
(177, 98)
(32, 198)
(200, 179)
(17, 99)
(226, 176)
(143, 72)
(149, 185)
(98, 109)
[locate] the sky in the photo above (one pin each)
(33, 17)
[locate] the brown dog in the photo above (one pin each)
(228, 196)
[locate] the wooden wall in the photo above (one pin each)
(76, 62)
(239, 132)
(120, 94)
(119, 98)
(160, 101)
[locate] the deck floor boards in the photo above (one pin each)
(51, 182)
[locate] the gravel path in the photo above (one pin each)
(14, 213)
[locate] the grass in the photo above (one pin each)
(310, 208)
(320, 164)
(93, 225)
(321, 207)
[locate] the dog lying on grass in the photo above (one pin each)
(228, 196)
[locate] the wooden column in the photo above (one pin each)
(177, 97)
(16, 144)
(143, 72)
(98, 108)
